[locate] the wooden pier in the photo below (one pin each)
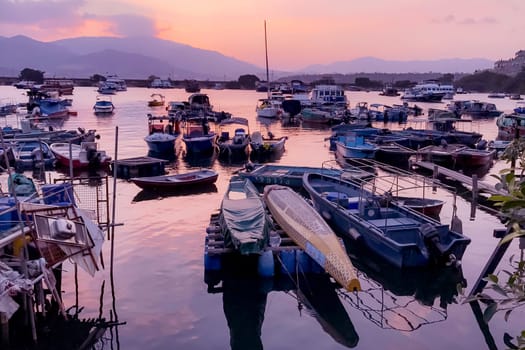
(468, 180)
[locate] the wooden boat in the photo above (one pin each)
(400, 235)
(174, 181)
(442, 154)
(428, 206)
(157, 100)
(292, 176)
(266, 145)
(309, 230)
(471, 157)
(237, 144)
(85, 155)
(243, 219)
(393, 153)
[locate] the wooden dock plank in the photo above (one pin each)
(482, 186)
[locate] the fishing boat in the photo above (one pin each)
(85, 155)
(243, 219)
(311, 232)
(292, 176)
(198, 137)
(440, 154)
(236, 145)
(157, 100)
(162, 133)
(33, 153)
(266, 145)
(354, 146)
(393, 153)
(103, 105)
(402, 236)
(428, 206)
(175, 181)
(471, 157)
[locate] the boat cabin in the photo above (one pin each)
(163, 124)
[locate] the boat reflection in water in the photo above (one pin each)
(202, 160)
(244, 302)
(401, 299)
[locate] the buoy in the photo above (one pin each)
(212, 262)
(265, 264)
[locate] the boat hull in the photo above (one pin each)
(193, 178)
(399, 235)
(200, 144)
(161, 143)
(309, 230)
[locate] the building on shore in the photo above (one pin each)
(511, 66)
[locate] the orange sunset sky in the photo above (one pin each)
(300, 32)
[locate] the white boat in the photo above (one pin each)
(103, 105)
(328, 95)
(117, 83)
(85, 155)
(429, 92)
(269, 107)
(311, 232)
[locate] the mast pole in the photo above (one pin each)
(266, 53)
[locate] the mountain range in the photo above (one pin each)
(141, 57)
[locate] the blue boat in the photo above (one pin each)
(354, 146)
(32, 154)
(292, 176)
(402, 236)
(198, 138)
(162, 133)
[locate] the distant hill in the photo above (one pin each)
(377, 65)
(133, 58)
(140, 57)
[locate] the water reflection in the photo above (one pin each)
(199, 160)
(244, 298)
(402, 299)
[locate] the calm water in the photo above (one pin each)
(159, 273)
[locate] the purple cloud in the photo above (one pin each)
(46, 13)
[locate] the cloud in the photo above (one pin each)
(451, 19)
(132, 25)
(53, 13)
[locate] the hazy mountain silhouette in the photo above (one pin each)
(377, 65)
(140, 57)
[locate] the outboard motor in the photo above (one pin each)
(431, 238)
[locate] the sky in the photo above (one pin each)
(300, 32)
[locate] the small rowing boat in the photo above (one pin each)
(192, 178)
(311, 232)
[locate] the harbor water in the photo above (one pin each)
(160, 292)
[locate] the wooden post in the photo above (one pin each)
(474, 203)
(4, 325)
(435, 175)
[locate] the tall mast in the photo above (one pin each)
(266, 52)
